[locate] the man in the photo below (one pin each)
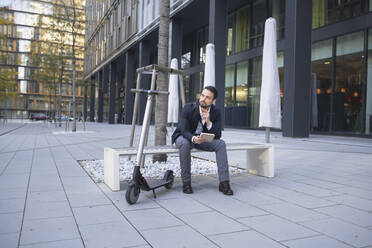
(196, 118)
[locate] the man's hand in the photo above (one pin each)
(205, 115)
(198, 140)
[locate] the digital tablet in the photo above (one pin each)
(207, 136)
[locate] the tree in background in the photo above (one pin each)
(72, 15)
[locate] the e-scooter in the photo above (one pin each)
(138, 182)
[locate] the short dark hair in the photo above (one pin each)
(213, 90)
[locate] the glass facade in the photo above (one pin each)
(246, 26)
(347, 94)
(331, 11)
(35, 45)
(368, 102)
(342, 69)
(243, 89)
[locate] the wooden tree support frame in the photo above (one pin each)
(154, 70)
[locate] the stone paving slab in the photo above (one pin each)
(343, 231)
(318, 241)
(244, 239)
(278, 228)
(319, 197)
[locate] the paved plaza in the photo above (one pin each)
(320, 196)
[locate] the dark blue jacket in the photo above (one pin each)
(190, 118)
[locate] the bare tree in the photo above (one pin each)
(162, 82)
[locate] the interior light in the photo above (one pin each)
(318, 91)
(356, 94)
(329, 91)
(327, 63)
(343, 90)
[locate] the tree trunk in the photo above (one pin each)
(162, 82)
(73, 69)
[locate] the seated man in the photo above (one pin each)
(198, 117)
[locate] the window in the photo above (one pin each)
(347, 98)
(332, 11)
(242, 84)
(368, 117)
(229, 85)
(322, 62)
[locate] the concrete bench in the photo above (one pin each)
(259, 159)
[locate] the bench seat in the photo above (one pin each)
(259, 159)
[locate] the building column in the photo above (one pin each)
(112, 92)
(130, 83)
(297, 68)
(100, 96)
(176, 45)
(144, 60)
(92, 99)
(217, 36)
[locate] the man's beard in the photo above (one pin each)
(205, 106)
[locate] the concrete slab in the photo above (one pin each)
(10, 222)
(177, 237)
(292, 212)
(343, 231)
(277, 228)
(206, 223)
(73, 243)
(97, 215)
(12, 205)
(40, 210)
(51, 229)
(145, 219)
(113, 234)
(182, 206)
(9, 240)
(349, 214)
(244, 239)
(318, 241)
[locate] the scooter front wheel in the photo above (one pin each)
(132, 193)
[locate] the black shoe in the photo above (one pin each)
(187, 189)
(224, 187)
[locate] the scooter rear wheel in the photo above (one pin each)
(168, 176)
(132, 194)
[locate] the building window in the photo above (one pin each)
(332, 11)
(347, 99)
(254, 91)
(241, 30)
(242, 84)
(229, 85)
(321, 56)
(368, 117)
(186, 60)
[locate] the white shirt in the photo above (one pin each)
(199, 128)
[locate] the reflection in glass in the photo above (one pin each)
(321, 56)
(347, 99)
(186, 60)
(229, 40)
(241, 30)
(278, 12)
(259, 15)
(368, 101)
(254, 92)
(197, 85)
(229, 85)
(242, 84)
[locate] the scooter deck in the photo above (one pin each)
(156, 183)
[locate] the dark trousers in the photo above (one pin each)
(217, 145)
